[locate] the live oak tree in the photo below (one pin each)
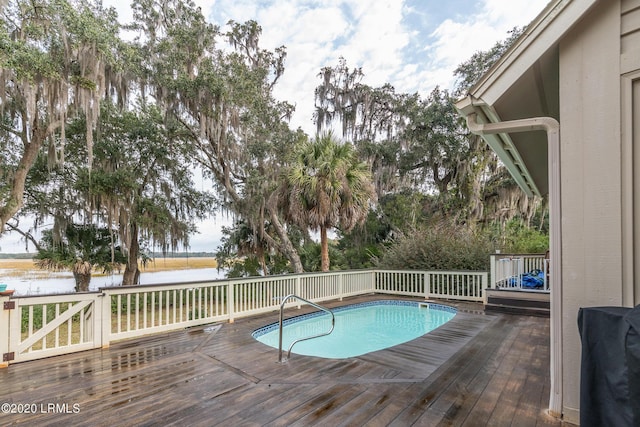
(371, 118)
(140, 186)
(142, 183)
(439, 150)
(58, 59)
(223, 97)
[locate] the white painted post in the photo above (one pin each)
(298, 289)
(483, 287)
(372, 281)
(103, 312)
(5, 326)
(230, 302)
(492, 266)
(427, 284)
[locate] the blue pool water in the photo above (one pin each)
(359, 328)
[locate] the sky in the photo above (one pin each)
(415, 45)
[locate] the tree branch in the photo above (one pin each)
(26, 234)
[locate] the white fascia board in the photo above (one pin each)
(542, 34)
(501, 144)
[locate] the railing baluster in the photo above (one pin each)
(128, 312)
(137, 311)
(144, 310)
(43, 324)
(81, 316)
(57, 335)
(118, 311)
(69, 326)
(174, 307)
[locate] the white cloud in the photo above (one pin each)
(454, 41)
(369, 35)
(507, 14)
(377, 42)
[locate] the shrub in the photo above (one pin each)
(519, 239)
(440, 247)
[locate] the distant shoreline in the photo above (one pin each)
(21, 267)
(29, 280)
(156, 255)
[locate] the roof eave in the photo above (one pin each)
(501, 144)
(541, 34)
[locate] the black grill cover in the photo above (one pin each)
(610, 369)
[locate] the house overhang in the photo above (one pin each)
(504, 146)
(523, 84)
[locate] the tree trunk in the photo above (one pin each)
(82, 275)
(131, 275)
(324, 249)
(16, 198)
(284, 245)
(263, 262)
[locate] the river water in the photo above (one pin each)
(59, 283)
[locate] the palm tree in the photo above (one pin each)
(327, 186)
(81, 249)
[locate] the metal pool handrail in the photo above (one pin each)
(319, 307)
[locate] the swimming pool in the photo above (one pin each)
(359, 328)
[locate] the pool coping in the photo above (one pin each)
(275, 325)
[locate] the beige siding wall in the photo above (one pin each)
(630, 35)
(591, 179)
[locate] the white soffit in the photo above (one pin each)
(502, 145)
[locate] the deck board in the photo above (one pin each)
(475, 370)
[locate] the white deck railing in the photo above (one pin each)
(43, 326)
(512, 271)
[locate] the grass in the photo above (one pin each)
(26, 267)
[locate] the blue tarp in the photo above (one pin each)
(532, 280)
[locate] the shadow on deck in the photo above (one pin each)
(478, 369)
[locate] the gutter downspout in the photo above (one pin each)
(552, 128)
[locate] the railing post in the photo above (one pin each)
(427, 284)
(483, 287)
(374, 280)
(545, 269)
(374, 275)
(104, 302)
(230, 302)
(340, 289)
(493, 270)
(5, 327)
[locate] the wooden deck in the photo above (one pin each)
(476, 370)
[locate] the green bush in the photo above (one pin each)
(441, 247)
(519, 239)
